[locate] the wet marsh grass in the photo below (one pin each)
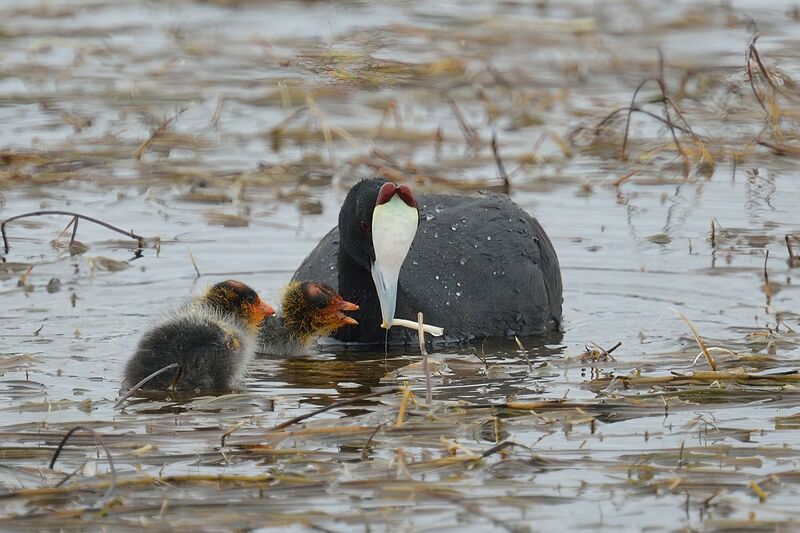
(235, 129)
(426, 444)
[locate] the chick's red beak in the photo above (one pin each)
(266, 309)
(348, 321)
(339, 305)
(344, 305)
(259, 311)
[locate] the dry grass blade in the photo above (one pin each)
(792, 258)
(364, 453)
(749, 69)
(754, 65)
(762, 496)
(500, 447)
(631, 107)
(230, 431)
(403, 403)
(524, 352)
(667, 105)
(424, 352)
(23, 279)
(713, 234)
(530, 405)
(752, 54)
(334, 405)
(501, 169)
(194, 264)
(165, 480)
(625, 177)
(662, 85)
(697, 338)
(74, 231)
(72, 222)
(767, 289)
(596, 353)
(159, 130)
(470, 134)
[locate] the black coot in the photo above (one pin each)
(479, 266)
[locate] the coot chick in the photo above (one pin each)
(479, 266)
(212, 338)
(309, 310)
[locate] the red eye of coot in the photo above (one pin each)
(407, 196)
(364, 227)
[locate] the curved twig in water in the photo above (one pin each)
(139, 239)
(630, 111)
(99, 440)
(617, 111)
(145, 380)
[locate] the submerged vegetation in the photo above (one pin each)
(657, 144)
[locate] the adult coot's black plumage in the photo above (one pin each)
(212, 338)
(478, 266)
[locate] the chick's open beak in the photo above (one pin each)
(339, 306)
(348, 321)
(394, 224)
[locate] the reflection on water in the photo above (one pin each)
(492, 369)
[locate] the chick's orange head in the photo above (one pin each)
(236, 298)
